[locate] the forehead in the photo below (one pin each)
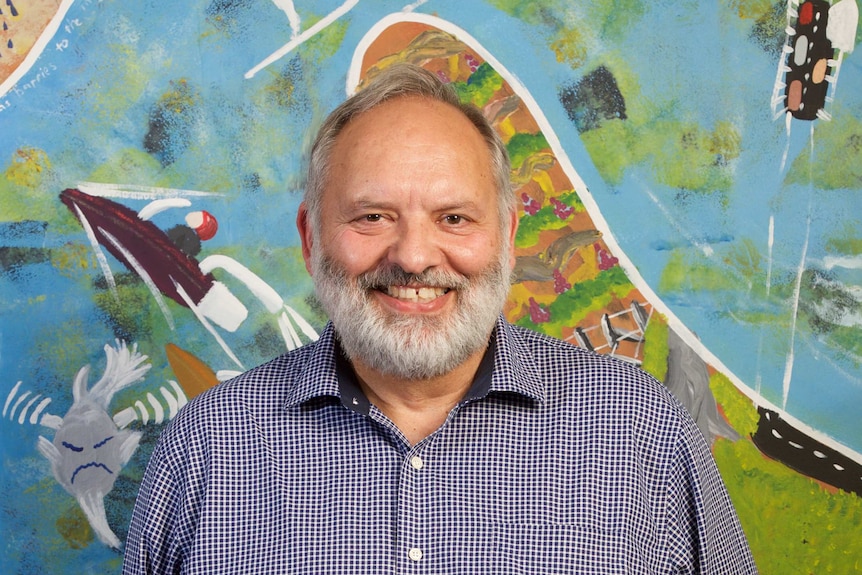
(412, 124)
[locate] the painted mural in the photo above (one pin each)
(689, 177)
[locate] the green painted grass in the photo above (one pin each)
(820, 529)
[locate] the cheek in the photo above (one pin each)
(355, 254)
(474, 256)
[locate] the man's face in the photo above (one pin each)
(410, 259)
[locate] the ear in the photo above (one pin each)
(303, 224)
(513, 231)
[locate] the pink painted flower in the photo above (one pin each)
(561, 210)
(606, 260)
(538, 314)
(561, 284)
(531, 206)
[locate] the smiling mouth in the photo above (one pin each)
(415, 294)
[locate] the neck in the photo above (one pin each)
(417, 407)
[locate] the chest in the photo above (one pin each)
(481, 495)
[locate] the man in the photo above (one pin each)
(422, 433)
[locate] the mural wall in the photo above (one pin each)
(689, 174)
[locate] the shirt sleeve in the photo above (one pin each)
(704, 533)
(151, 546)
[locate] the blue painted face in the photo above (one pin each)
(89, 444)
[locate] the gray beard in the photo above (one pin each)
(406, 346)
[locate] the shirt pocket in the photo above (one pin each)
(556, 549)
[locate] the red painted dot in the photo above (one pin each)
(806, 13)
(794, 96)
(204, 223)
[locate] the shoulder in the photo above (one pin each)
(241, 402)
(591, 384)
(265, 383)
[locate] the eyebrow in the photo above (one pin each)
(373, 204)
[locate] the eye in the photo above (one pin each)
(103, 442)
(453, 219)
(372, 217)
(74, 448)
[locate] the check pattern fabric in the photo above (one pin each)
(559, 460)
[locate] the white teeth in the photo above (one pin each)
(423, 294)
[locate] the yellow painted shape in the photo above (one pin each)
(506, 129)
(544, 180)
(193, 375)
(27, 167)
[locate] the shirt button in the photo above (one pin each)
(416, 462)
(415, 554)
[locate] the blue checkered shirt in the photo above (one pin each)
(558, 460)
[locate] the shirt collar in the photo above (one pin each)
(506, 368)
(317, 377)
(515, 369)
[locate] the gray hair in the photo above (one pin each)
(397, 81)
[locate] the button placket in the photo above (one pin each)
(411, 520)
(415, 554)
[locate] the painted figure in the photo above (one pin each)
(168, 266)
(90, 447)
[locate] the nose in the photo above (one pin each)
(415, 247)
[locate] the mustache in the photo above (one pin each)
(389, 275)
